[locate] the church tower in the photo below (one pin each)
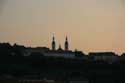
(53, 44)
(66, 44)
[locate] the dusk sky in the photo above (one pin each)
(91, 25)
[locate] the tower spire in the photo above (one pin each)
(53, 38)
(59, 46)
(53, 43)
(66, 44)
(66, 38)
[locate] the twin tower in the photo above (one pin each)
(66, 44)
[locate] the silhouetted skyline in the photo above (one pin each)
(91, 25)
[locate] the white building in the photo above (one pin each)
(103, 56)
(41, 50)
(60, 53)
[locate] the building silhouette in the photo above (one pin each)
(66, 53)
(53, 44)
(66, 44)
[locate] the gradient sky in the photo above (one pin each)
(91, 25)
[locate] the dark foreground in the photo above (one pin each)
(59, 70)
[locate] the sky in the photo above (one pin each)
(91, 25)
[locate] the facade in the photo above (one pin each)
(60, 54)
(103, 56)
(29, 51)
